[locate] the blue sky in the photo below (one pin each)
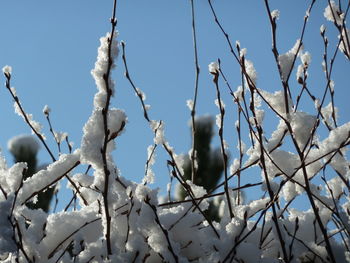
(52, 47)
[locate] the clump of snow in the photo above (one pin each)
(60, 136)
(286, 60)
(23, 144)
(275, 14)
(92, 141)
(218, 120)
(238, 94)
(305, 58)
(7, 70)
(143, 192)
(302, 125)
(344, 44)
(93, 138)
(151, 159)
(213, 68)
(46, 110)
(234, 166)
(277, 101)
(15, 175)
(219, 102)
(140, 93)
(104, 63)
(46, 177)
(300, 72)
(327, 113)
(336, 186)
(333, 14)
(190, 104)
(198, 192)
(243, 52)
(158, 129)
(336, 138)
(251, 72)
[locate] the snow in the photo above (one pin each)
(7, 70)
(48, 176)
(158, 129)
(140, 229)
(60, 136)
(243, 52)
(23, 143)
(239, 93)
(305, 58)
(198, 192)
(151, 159)
(190, 104)
(93, 138)
(213, 68)
(275, 14)
(336, 137)
(219, 102)
(251, 72)
(302, 125)
(46, 110)
(277, 101)
(102, 62)
(140, 93)
(300, 72)
(344, 44)
(332, 13)
(286, 60)
(218, 120)
(327, 113)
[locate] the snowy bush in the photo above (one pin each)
(122, 221)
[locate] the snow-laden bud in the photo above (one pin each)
(238, 44)
(46, 110)
(322, 29)
(275, 14)
(60, 136)
(306, 58)
(7, 70)
(213, 68)
(243, 52)
(190, 104)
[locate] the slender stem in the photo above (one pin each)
(193, 109)
(24, 114)
(221, 135)
(105, 110)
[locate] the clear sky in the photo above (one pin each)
(52, 47)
